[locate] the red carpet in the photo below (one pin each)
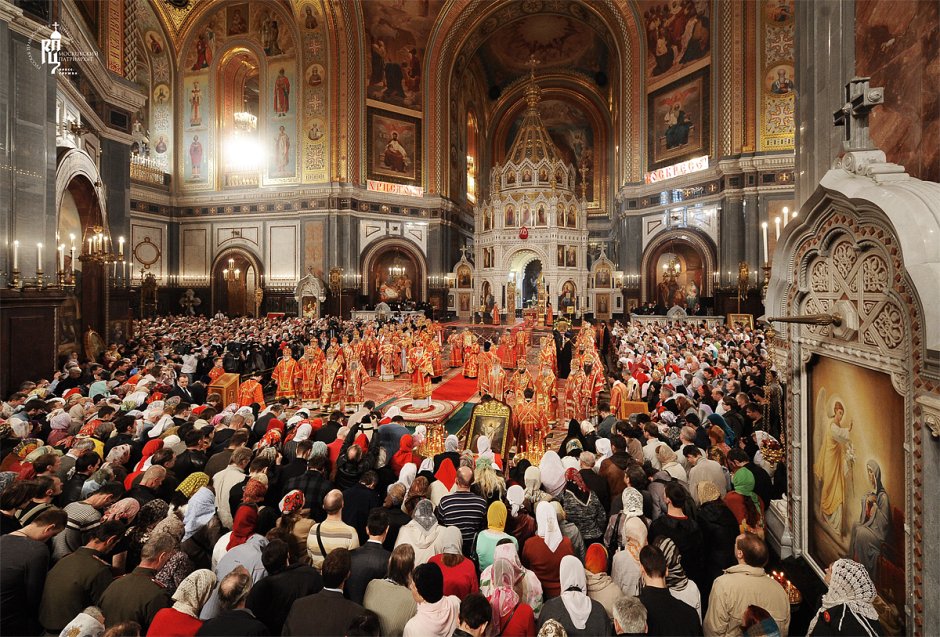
(457, 388)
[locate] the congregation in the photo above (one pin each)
(134, 502)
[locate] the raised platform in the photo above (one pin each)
(372, 315)
(436, 414)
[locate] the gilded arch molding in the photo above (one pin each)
(699, 242)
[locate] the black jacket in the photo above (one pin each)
(368, 562)
(719, 532)
(190, 461)
(666, 615)
(687, 536)
(396, 519)
(349, 471)
(271, 598)
(358, 500)
(315, 486)
(327, 433)
(324, 613)
(233, 623)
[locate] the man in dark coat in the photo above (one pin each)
(315, 485)
(358, 501)
(136, 596)
(326, 613)
(369, 561)
(272, 597)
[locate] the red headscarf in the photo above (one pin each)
(274, 423)
(243, 527)
(595, 560)
(150, 448)
(447, 474)
(405, 453)
(573, 475)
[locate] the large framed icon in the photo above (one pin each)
(490, 419)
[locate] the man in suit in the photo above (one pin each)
(272, 597)
(325, 613)
(358, 501)
(181, 389)
(369, 561)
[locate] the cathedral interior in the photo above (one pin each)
(487, 160)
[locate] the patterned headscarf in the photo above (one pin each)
(576, 481)
(849, 584)
(122, 510)
(171, 525)
(193, 483)
(502, 596)
(632, 503)
(552, 628)
(424, 514)
(271, 438)
(194, 591)
(707, 492)
(292, 501)
(676, 578)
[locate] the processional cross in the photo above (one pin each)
(860, 99)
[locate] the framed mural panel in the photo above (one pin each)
(394, 147)
(492, 420)
(678, 38)
(603, 307)
(678, 125)
(855, 473)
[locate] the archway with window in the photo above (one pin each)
(236, 279)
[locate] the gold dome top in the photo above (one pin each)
(532, 141)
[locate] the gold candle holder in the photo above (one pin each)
(14, 281)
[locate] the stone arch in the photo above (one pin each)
(77, 164)
(379, 248)
(219, 263)
(701, 243)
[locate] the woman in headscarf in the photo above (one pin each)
(123, 510)
(486, 482)
(138, 535)
(243, 527)
(294, 524)
(484, 450)
(511, 615)
(717, 420)
(88, 623)
(418, 491)
(182, 619)
(604, 451)
(423, 533)
(573, 443)
(600, 586)
(679, 585)
(719, 531)
(746, 505)
(451, 451)
(716, 437)
(487, 539)
(847, 607)
(179, 566)
(544, 551)
(407, 474)
(405, 454)
(460, 574)
(59, 421)
(583, 508)
(874, 523)
(199, 511)
(669, 462)
(573, 609)
(552, 474)
(533, 488)
(179, 502)
(520, 523)
(525, 582)
(625, 569)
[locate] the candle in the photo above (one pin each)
(91, 244)
(763, 228)
(121, 245)
(786, 218)
(16, 255)
(777, 228)
(61, 257)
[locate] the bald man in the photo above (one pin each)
(332, 533)
(463, 509)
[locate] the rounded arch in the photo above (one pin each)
(697, 241)
(76, 172)
(381, 247)
(239, 253)
(518, 259)
(461, 18)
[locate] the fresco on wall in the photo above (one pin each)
(678, 38)
(268, 26)
(156, 117)
(281, 129)
(778, 97)
(397, 33)
(313, 128)
(678, 121)
(236, 19)
(394, 147)
(573, 134)
(196, 118)
(556, 41)
(855, 475)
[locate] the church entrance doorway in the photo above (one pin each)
(676, 275)
(236, 283)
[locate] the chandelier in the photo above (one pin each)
(245, 122)
(396, 269)
(97, 247)
(231, 273)
(672, 269)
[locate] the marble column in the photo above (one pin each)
(825, 61)
(731, 249)
(751, 250)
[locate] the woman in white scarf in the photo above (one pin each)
(533, 486)
(484, 450)
(88, 623)
(625, 570)
(604, 451)
(847, 605)
(553, 473)
(546, 522)
(190, 596)
(574, 610)
(407, 475)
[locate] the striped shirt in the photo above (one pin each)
(466, 511)
(334, 534)
(82, 519)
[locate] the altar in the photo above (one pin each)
(375, 315)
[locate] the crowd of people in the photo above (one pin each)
(134, 502)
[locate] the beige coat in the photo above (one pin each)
(603, 590)
(737, 589)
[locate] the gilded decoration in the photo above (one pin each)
(777, 75)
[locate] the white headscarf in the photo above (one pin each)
(407, 474)
(850, 584)
(392, 412)
(85, 625)
(452, 443)
(303, 432)
(553, 473)
(574, 591)
(421, 432)
(547, 525)
(604, 451)
(194, 591)
(484, 450)
(427, 465)
(632, 503)
(516, 496)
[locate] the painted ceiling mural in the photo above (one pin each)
(397, 34)
(678, 38)
(558, 42)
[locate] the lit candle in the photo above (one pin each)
(16, 255)
(61, 257)
(777, 228)
(786, 216)
(121, 245)
(39, 257)
(91, 243)
(763, 229)
(793, 216)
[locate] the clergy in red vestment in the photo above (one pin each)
(529, 422)
(455, 340)
(311, 371)
(471, 356)
(285, 374)
(507, 350)
(250, 391)
(421, 369)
